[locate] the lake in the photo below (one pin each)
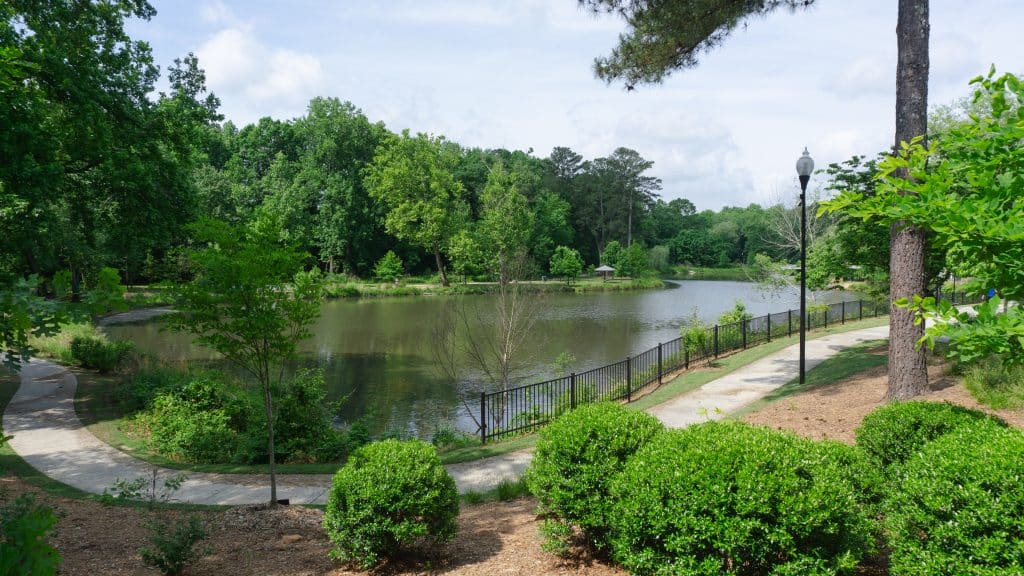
(377, 352)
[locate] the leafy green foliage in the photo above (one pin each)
(729, 498)
(973, 337)
(958, 506)
(567, 263)
(23, 315)
(576, 458)
(895, 432)
(389, 268)
(633, 261)
(995, 384)
(612, 253)
(738, 313)
(106, 293)
(173, 547)
(99, 353)
(390, 495)
(697, 336)
(25, 526)
(240, 306)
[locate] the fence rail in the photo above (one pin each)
(526, 408)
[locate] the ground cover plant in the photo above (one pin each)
(729, 498)
(390, 496)
(576, 457)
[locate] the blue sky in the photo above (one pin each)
(518, 74)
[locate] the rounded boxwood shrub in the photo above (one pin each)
(576, 457)
(960, 506)
(390, 495)
(891, 434)
(729, 498)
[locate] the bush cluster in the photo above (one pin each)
(735, 499)
(577, 456)
(208, 417)
(25, 528)
(894, 432)
(958, 505)
(390, 495)
(97, 353)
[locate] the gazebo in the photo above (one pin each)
(604, 269)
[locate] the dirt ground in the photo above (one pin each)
(497, 538)
(835, 411)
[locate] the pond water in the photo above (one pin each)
(379, 353)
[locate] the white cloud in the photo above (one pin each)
(216, 12)
(255, 80)
(866, 75)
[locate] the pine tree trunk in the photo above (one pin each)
(908, 370)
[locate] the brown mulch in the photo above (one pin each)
(835, 411)
(495, 538)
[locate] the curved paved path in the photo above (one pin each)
(50, 437)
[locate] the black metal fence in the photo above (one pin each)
(526, 408)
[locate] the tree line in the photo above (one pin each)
(100, 173)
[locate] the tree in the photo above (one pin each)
(965, 190)
(633, 261)
(637, 191)
(412, 177)
(506, 220)
(389, 267)
(612, 254)
(566, 262)
(251, 302)
(666, 35)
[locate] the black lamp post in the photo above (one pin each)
(804, 167)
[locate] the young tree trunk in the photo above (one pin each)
(268, 406)
(440, 267)
(908, 370)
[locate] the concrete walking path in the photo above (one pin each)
(49, 436)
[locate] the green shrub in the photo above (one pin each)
(959, 506)
(58, 346)
(24, 527)
(697, 337)
(302, 415)
(99, 353)
(576, 457)
(729, 498)
(738, 313)
(891, 434)
(388, 496)
(106, 293)
(173, 547)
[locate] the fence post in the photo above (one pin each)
(860, 310)
(716, 340)
(743, 331)
(769, 318)
(629, 380)
(483, 417)
(686, 355)
(843, 317)
(572, 391)
(659, 363)
(789, 322)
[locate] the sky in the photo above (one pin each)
(518, 74)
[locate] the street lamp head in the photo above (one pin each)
(805, 165)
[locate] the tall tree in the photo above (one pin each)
(637, 191)
(666, 35)
(412, 176)
(238, 306)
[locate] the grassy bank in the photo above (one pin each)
(355, 289)
(734, 273)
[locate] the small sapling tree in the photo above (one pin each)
(567, 263)
(251, 302)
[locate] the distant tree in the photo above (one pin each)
(251, 302)
(633, 261)
(566, 262)
(612, 254)
(658, 258)
(637, 191)
(412, 176)
(506, 220)
(389, 268)
(467, 257)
